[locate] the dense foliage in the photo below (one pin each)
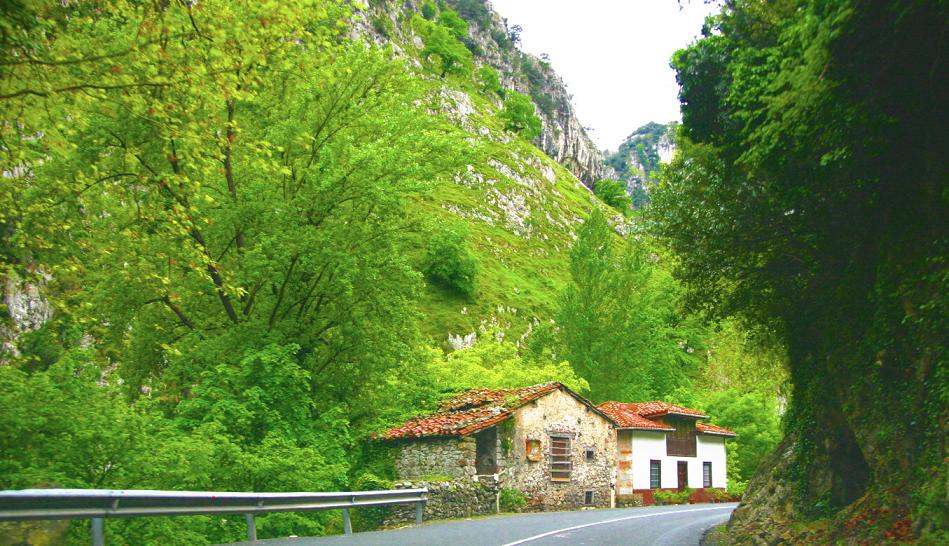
(809, 196)
(620, 323)
(613, 193)
(519, 115)
(229, 208)
(449, 260)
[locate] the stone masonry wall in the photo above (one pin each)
(442, 457)
(560, 413)
(449, 499)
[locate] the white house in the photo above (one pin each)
(662, 446)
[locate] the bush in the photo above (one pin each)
(736, 488)
(382, 25)
(367, 519)
(672, 497)
(511, 500)
(450, 262)
(454, 23)
(613, 193)
(490, 80)
(429, 11)
(719, 495)
(519, 116)
(442, 43)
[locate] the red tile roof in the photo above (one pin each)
(646, 416)
(476, 409)
(657, 408)
(712, 429)
(626, 417)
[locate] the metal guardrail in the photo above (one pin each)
(97, 504)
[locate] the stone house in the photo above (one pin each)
(546, 441)
(662, 446)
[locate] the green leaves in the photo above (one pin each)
(613, 193)
(620, 325)
(442, 44)
(449, 260)
(519, 115)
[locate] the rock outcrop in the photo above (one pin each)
(637, 159)
(489, 38)
(24, 308)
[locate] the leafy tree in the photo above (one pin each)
(429, 11)
(613, 193)
(490, 80)
(495, 364)
(450, 261)
(519, 115)
(224, 216)
(620, 325)
(754, 417)
(441, 42)
(457, 25)
(474, 10)
(806, 198)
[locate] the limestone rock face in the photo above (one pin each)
(637, 159)
(562, 137)
(24, 309)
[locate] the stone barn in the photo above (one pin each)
(546, 441)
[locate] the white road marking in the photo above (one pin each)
(575, 527)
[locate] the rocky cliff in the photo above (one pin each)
(23, 308)
(494, 44)
(637, 159)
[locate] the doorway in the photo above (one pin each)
(486, 452)
(683, 469)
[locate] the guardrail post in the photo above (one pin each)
(418, 512)
(347, 524)
(251, 528)
(98, 532)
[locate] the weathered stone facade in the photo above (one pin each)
(561, 414)
(441, 457)
(499, 455)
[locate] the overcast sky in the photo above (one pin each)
(613, 55)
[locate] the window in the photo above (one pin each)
(706, 474)
(533, 451)
(560, 459)
(681, 442)
(655, 474)
(588, 498)
(590, 454)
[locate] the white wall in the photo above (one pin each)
(648, 446)
(711, 449)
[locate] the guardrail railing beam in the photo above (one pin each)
(97, 504)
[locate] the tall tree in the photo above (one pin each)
(620, 324)
(809, 195)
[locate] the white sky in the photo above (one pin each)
(613, 54)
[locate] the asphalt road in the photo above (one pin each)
(653, 525)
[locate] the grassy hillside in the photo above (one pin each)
(519, 206)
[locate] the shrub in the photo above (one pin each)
(511, 500)
(718, 495)
(382, 25)
(736, 488)
(490, 80)
(672, 497)
(442, 43)
(449, 260)
(613, 193)
(369, 518)
(453, 22)
(519, 116)
(429, 10)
